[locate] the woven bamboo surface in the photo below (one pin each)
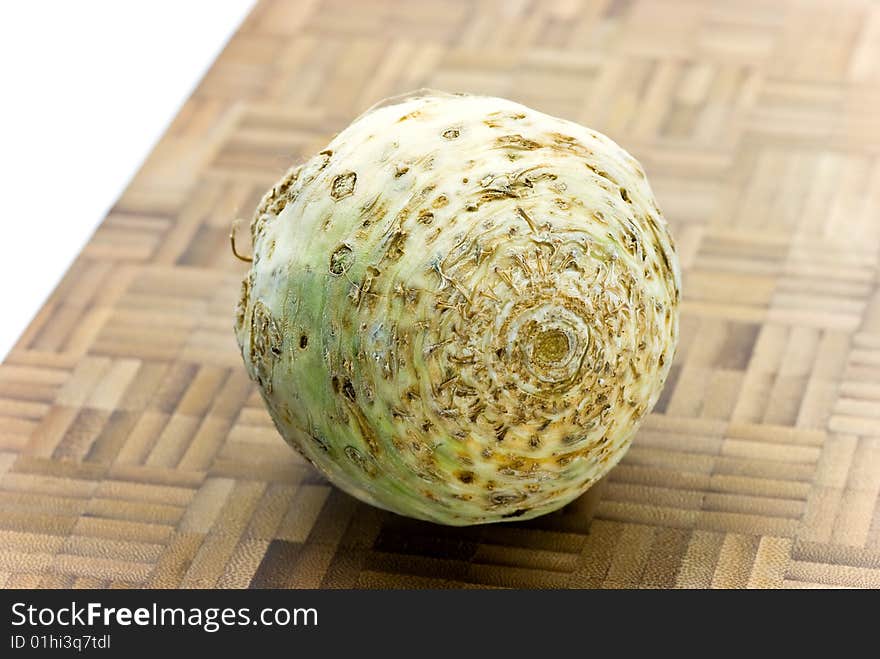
(135, 452)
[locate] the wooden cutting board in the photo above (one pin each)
(135, 452)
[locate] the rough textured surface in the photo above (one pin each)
(461, 309)
(134, 450)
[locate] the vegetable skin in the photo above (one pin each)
(462, 308)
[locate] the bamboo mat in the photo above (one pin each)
(135, 452)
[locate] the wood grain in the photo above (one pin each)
(135, 452)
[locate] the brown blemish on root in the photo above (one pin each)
(528, 220)
(243, 300)
(498, 119)
(320, 442)
(265, 344)
(343, 185)
(517, 142)
(341, 260)
(364, 427)
(395, 247)
(275, 201)
(658, 247)
(348, 390)
(519, 512)
(365, 464)
(374, 211)
(360, 292)
(602, 173)
(506, 498)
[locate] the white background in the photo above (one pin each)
(89, 86)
